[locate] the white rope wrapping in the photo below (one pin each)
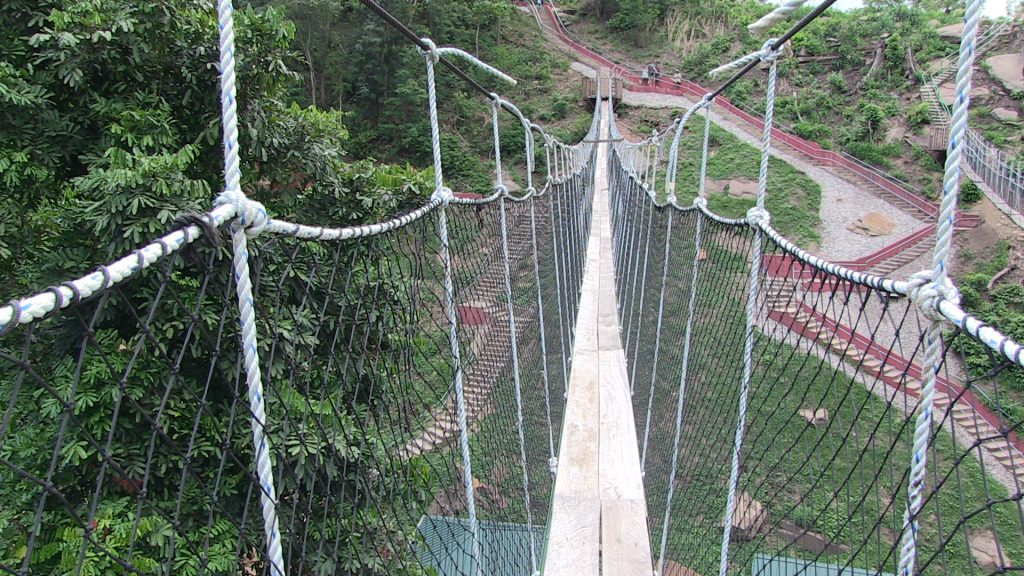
(513, 340)
(927, 289)
(765, 54)
(779, 14)
(443, 194)
(252, 218)
(758, 216)
(672, 170)
(31, 308)
(691, 309)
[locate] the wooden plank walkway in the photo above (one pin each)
(599, 514)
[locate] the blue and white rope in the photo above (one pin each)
(445, 195)
(756, 216)
(929, 288)
(513, 340)
(251, 219)
(779, 14)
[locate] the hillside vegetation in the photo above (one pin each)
(850, 81)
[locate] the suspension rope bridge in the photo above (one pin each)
(586, 378)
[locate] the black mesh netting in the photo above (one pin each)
(836, 377)
(126, 439)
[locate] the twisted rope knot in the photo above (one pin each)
(700, 202)
(502, 189)
(927, 294)
(705, 100)
(767, 54)
(431, 49)
(443, 194)
(758, 216)
(530, 190)
(252, 215)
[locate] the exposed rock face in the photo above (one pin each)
(989, 556)
(815, 417)
(1006, 68)
(748, 519)
(1006, 115)
(951, 33)
(873, 224)
(947, 92)
(715, 186)
(742, 188)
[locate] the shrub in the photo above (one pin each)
(812, 131)
(917, 115)
(969, 191)
(837, 82)
(877, 154)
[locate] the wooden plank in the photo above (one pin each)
(574, 547)
(625, 550)
(620, 458)
(599, 514)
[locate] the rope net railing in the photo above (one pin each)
(378, 399)
(126, 427)
(836, 378)
(797, 417)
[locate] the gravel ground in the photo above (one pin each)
(842, 203)
(583, 69)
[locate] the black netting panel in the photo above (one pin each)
(837, 372)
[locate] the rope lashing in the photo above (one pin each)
(757, 217)
(252, 215)
(252, 218)
(780, 14)
(929, 290)
(923, 289)
(765, 54)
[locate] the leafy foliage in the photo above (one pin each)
(109, 130)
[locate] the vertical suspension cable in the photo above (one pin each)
(643, 277)
(431, 57)
(556, 248)
(756, 216)
(930, 287)
(670, 186)
(552, 459)
(251, 218)
(691, 309)
(513, 341)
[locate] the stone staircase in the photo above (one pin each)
(865, 184)
(890, 265)
(488, 357)
(781, 296)
(942, 71)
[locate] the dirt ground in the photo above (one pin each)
(973, 246)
